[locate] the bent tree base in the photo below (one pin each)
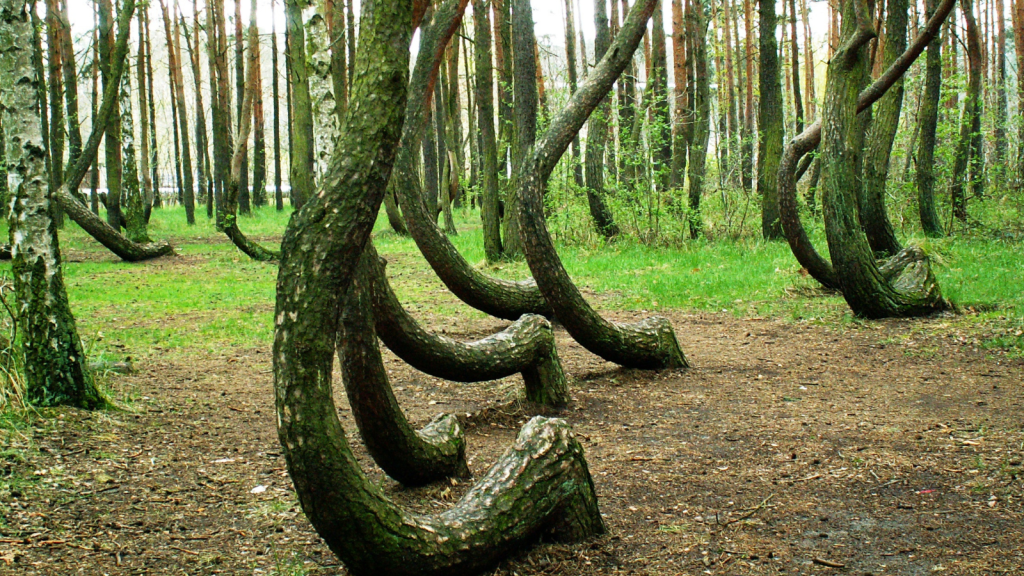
(105, 234)
(411, 457)
(526, 347)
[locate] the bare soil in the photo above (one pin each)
(880, 448)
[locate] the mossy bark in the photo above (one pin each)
(866, 288)
(701, 125)
(526, 347)
(597, 137)
(112, 141)
(769, 122)
(497, 297)
(489, 201)
(301, 141)
(412, 457)
(929, 119)
(880, 138)
(55, 367)
(540, 484)
(134, 197)
(647, 344)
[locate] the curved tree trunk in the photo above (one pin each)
(926, 144)
(527, 347)
(647, 344)
(54, 358)
(412, 457)
(500, 298)
(880, 138)
(249, 247)
(809, 139)
(870, 291)
(88, 220)
(540, 484)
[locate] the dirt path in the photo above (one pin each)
(789, 448)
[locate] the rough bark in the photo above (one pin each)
(153, 150)
(489, 201)
(232, 194)
(597, 137)
(798, 102)
(967, 165)
(275, 92)
(999, 120)
(870, 291)
(809, 139)
(929, 120)
(701, 125)
(770, 123)
(204, 182)
(881, 136)
(497, 297)
(145, 126)
(570, 57)
(54, 358)
(747, 146)
(661, 124)
(647, 344)
(244, 198)
(540, 483)
(259, 137)
(412, 457)
(55, 84)
(524, 66)
(301, 141)
(526, 347)
(70, 71)
(133, 196)
(112, 142)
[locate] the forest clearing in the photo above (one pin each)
(454, 287)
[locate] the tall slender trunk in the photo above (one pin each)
(769, 124)
(301, 134)
(94, 171)
(244, 200)
(570, 62)
(881, 135)
(503, 63)
(698, 26)
(661, 133)
(188, 187)
(747, 169)
(275, 92)
(145, 126)
(134, 198)
(112, 141)
(175, 104)
(732, 103)
(597, 134)
(999, 119)
(55, 82)
(679, 143)
(259, 138)
(798, 102)
(808, 61)
(205, 182)
(926, 143)
(70, 70)
(154, 164)
(488, 145)
(967, 166)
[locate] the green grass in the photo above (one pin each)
(217, 300)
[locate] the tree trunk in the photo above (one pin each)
(489, 201)
(730, 81)
(146, 127)
(412, 457)
(205, 186)
(135, 209)
(570, 62)
(275, 91)
(747, 169)
(661, 121)
(769, 123)
(679, 144)
(153, 155)
(189, 199)
(244, 200)
(967, 166)
(112, 142)
(526, 347)
(597, 136)
(55, 83)
(880, 138)
(503, 64)
(798, 102)
(232, 191)
(259, 138)
(698, 25)
(497, 297)
(808, 61)
(525, 94)
(647, 344)
(906, 290)
(301, 142)
(54, 361)
(539, 484)
(999, 119)
(70, 70)
(94, 172)
(930, 222)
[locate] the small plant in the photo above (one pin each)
(12, 381)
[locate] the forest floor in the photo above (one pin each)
(792, 446)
